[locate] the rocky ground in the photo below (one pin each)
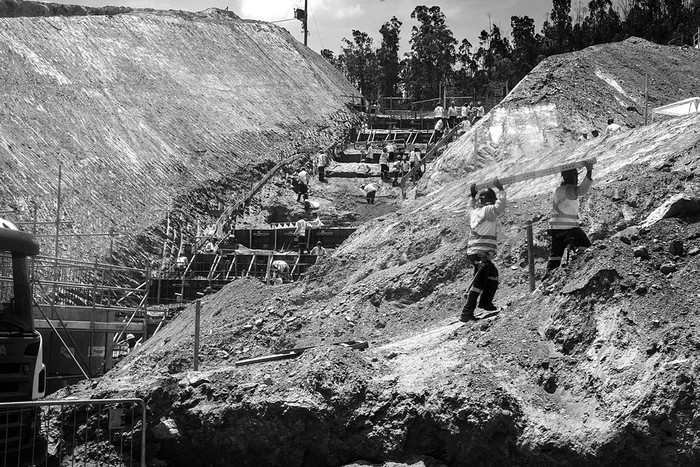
(597, 366)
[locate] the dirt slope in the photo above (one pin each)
(567, 94)
(149, 111)
(597, 367)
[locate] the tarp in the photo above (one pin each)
(684, 107)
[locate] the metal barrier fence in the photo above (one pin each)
(72, 282)
(92, 432)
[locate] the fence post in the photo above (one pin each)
(198, 311)
(530, 256)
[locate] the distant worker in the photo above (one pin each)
(438, 130)
(564, 222)
(414, 158)
(303, 184)
(464, 112)
(612, 127)
(405, 166)
(280, 271)
(396, 168)
(439, 111)
(181, 263)
(321, 161)
(300, 231)
(370, 190)
(132, 342)
(370, 153)
(363, 169)
(471, 112)
(384, 164)
(452, 114)
(481, 248)
(318, 250)
(479, 111)
(391, 149)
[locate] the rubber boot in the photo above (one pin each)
(486, 302)
(468, 310)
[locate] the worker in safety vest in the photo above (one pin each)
(564, 222)
(481, 248)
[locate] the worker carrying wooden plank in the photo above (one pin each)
(564, 225)
(481, 248)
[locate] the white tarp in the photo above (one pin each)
(684, 107)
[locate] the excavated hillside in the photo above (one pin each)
(149, 112)
(566, 95)
(597, 366)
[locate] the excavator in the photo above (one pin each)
(22, 371)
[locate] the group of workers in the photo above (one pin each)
(487, 205)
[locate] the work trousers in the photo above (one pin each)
(576, 237)
(484, 285)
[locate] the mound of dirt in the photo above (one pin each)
(597, 366)
(150, 112)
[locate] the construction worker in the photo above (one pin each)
(318, 250)
(321, 161)
(300, 231)
(280, 271)
(303, 184)
(384, 164)
(479, 110)
(132, 342)
(612, 127)
(452, 114)
(438, 129)
(564, 222)
(481, 248)
(370, 190)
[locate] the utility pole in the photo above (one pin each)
(306, 21)
(303, 16)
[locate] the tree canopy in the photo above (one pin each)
(437, 61)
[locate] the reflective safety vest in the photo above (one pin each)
(565, 205)
(482, 221)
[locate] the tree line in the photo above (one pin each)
(437, 59)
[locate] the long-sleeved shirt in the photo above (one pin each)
(483, 237)
(565, 205)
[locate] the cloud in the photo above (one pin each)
(270, 10)
(349, 12)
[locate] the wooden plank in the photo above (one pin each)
(536, 173)
(292, 353)
(98, 326)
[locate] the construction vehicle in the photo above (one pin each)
(22, 371)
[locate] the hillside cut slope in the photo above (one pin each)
(565, 96)
(149, 111)
(598, 366)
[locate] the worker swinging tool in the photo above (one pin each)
(481, 248)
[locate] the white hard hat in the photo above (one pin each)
(130, 336)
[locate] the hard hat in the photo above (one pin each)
(130, 337)
(570, 176)
(486, 196)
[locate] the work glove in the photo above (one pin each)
(589, 169)
(497, 183)
(472, 188)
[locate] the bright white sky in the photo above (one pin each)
(332, 20)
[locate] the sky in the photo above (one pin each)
(332, 20)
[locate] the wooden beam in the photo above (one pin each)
(536, 173)
(90, 326)
(292, 353)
